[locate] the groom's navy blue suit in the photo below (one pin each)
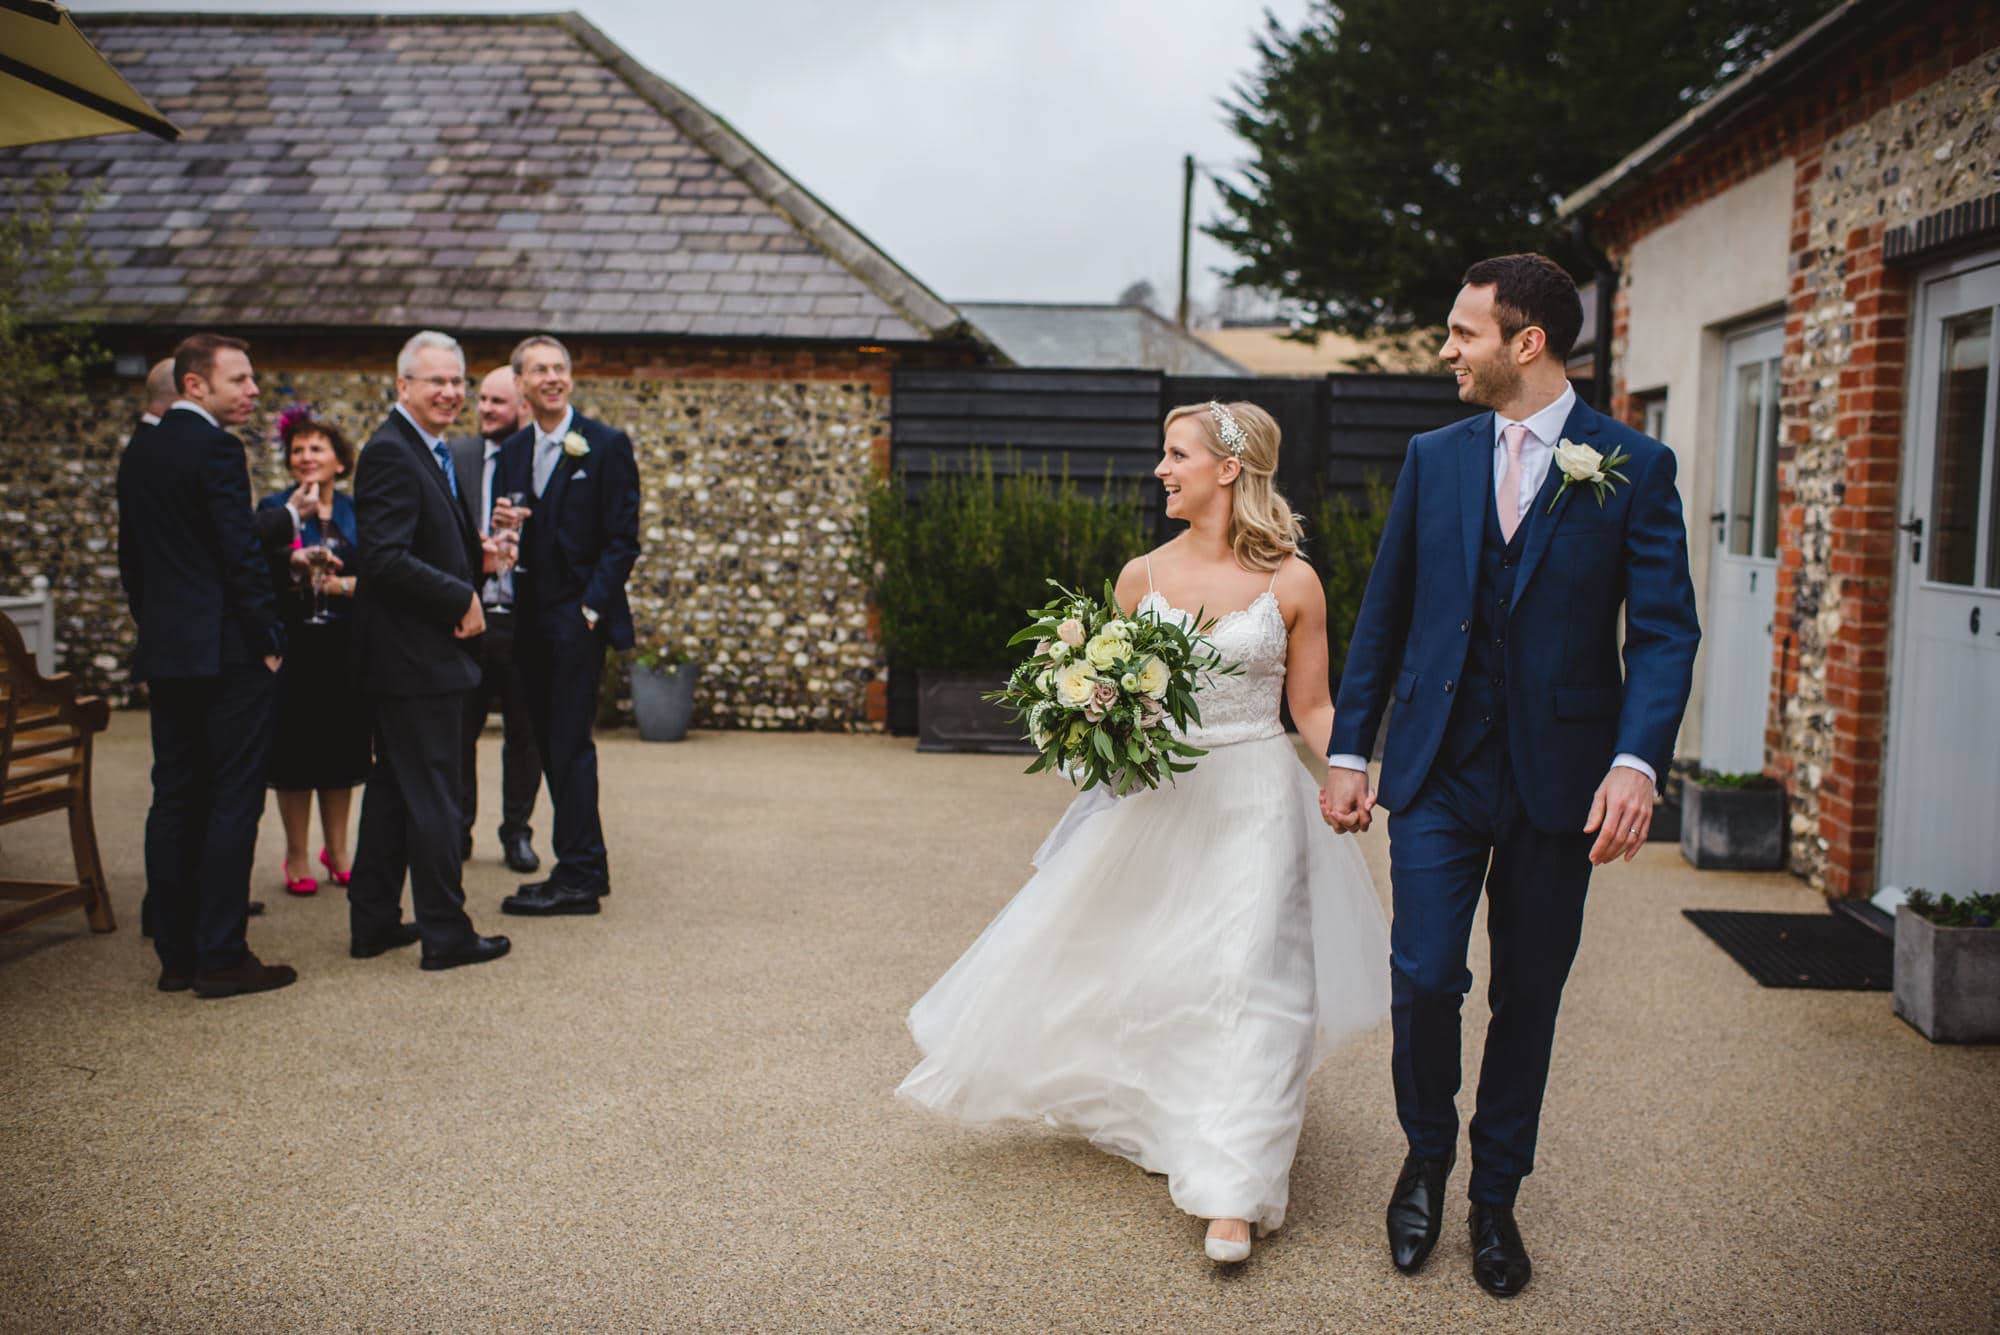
(1504, 661)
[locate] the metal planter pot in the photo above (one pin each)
(952, 717)
(663, 701)
(1947, 979)
(1733, 829)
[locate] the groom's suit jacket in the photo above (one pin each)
(419, 557)
(1570, 709)
(582, 538)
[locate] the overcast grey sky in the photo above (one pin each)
(1005, 149)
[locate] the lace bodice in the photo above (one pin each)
(1242, 707)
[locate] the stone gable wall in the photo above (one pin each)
(1898, 133)
(752, 472)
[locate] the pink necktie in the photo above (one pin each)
(1510, 481)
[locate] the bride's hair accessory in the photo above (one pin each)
(1228, 429)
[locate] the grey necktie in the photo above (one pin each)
(547, 449)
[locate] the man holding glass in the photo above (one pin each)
(477, 456)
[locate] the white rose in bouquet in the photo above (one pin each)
(1104, 650)
(1076, 682)
(1153, 677)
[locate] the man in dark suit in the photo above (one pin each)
(476, 458)
(1519, 755)
(415, 612)
(209, 648)
(577, 551)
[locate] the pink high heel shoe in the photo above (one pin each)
(339, 877)
(305, 885)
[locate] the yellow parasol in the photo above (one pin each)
(55, 85)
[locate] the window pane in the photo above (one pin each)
(1953, 532)
(1743, 486)
(1767, 516)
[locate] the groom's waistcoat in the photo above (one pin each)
(1481, 710)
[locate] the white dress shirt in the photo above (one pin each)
(1538, 451)
(197, 409)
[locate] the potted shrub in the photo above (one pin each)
(1734, 822)
(663, 694)
(953, 570)
(1948, 967)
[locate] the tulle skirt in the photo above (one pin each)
(1168, 980)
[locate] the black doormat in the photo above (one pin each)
(1819, 950)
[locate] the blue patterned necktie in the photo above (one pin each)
(443, 453)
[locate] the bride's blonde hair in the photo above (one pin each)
(1263, 531)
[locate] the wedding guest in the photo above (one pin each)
(321, 737)
(209, 648)
(577, 550)
(419, 560)
(159, 395)
(477, 457)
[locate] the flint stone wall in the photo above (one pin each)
(751, 495)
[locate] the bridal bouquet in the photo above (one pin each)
(1103, 693)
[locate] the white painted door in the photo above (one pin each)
(1743, 563)
(1940, 827)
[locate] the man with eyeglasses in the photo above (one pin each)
(415, 616)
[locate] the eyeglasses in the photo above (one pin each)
(441, 381)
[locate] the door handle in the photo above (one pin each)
(1720, 518)
(1914, 526)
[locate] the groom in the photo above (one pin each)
(1519, 756)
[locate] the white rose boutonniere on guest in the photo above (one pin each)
(1582, 464)
(575, 446)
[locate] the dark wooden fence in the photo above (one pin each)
(1339, 431)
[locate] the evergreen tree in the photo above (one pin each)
(1394, 142)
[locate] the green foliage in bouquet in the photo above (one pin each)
(1342, 538)
(1104, 693)
(950, 571)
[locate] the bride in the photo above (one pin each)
(1185, 956)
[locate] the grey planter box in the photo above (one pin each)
(1733, 829)
(952, 717)
(663, 701)
(1948, 979)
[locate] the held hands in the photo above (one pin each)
(1620, 815)
(472, 623)
(306, 500)
(1345, 801)
(272, 663)
(497, 556)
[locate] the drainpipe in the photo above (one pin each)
(1607, 288)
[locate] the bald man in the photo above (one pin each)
(500, 412)
(160, 395)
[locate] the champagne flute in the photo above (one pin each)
(517, 501)
(319, 560)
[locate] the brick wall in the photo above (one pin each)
(752, 460)
(1879, 137)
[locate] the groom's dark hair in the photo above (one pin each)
(1532, 290)
(196, 356)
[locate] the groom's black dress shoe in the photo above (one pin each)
(518, 853)
(1416, 1211)
(548, 899)
(478, 950)
(1499, 1261)
(405, 934)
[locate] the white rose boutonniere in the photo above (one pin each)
(1580, 464)
(575, 446)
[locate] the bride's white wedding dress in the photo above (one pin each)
(1179, 963)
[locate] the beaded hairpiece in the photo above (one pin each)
(297, 412)
(1228, 429)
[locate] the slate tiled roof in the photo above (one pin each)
(491, 173)
(1112, 337)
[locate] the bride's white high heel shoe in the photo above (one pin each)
(1225, 1251)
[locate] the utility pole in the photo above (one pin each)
(1187, 230)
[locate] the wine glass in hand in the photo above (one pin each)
(319, 560)
(518, 512)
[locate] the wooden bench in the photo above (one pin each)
(45, 735)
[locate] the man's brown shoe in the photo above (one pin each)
(252, 975)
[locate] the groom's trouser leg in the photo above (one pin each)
(1534, 919)
(562, 672)
(1439, 847)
